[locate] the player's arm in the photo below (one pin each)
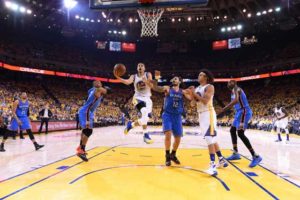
(188, 94)
(14, 110)
(207, 95)
(102, 91)
(157, 88)
(149, 79)
(234, 101)
(285, 113)
(125, 81)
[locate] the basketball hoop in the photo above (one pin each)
(149, 18)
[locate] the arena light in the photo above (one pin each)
(14, 6)
(179, 19)
(109, 32)
(81, 18)
(29, 12)
(87, 19)
(92, 21)
(22, 9)
(225, 17)
(239, 27)
(173, 20)
(244, 10)
(228, 29)
(115, 32)
(264, 12)
(197, 18)
(70, 4)
(258, 14)
(233, 28)
(270, 10)
(98, 21)
(119, 21)
(111, 20)
(130, 20)
(77, 17)
(7, 4)
(278, 9)
(249, 15)
(189, 19)
(103, 15)
(223, 29)
(124, 33)
(136, 20)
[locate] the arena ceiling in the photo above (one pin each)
(209, 22)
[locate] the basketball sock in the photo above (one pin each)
(82, 147)
(167, 152)
(212, 157)
(219, 154)
(235, 148)
(173, 152)
(279, 137)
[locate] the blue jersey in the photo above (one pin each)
(242, 101)
(22, 108)
(174, 102)
(92, 102)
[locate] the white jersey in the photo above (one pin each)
(279, 113)
(140, 88)
(201, 107)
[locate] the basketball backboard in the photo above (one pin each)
(135, 4)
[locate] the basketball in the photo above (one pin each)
(119, 69)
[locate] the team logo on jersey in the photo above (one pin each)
(141, 85)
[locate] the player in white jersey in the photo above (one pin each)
(141, 99)
(203, 95)
(281, 122)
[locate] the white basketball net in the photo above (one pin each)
(149, 19)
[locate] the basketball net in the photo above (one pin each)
(149, 18)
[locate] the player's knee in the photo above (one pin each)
(141, 105)
(87, 132)
(241, 133)
(210, 140)
(233, 130)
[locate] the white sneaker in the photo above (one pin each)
(212, 170)
(287, 141)
(222, 163)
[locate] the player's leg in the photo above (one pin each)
(222, 161)
(241, 133)
(21, 135)
(146, 112)
(13, 127)
(233, 134)
(278, 129)
(5, 136)
(87, 131)
(167, 129)
(212, 170)
(31, 136)
(285, 124)
(177, 133)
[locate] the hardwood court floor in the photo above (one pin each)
(122, 167)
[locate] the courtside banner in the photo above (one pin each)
(54, 125)
(79, 76)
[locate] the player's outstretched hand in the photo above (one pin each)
(108, 89)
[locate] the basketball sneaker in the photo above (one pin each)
(222, 163)
(255, 161)
(147, 139)
(278, 140)
(212, 170)
(128, 127)
(234, 156)
(82, 155)
(168, 160)
(2, 148)
(79, 148)
(38, 146)
(174, 159)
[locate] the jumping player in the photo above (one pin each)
(20, 121)
(281, 122)
(141, 99)
(204, 95)
(86, 115)
(171, 117)
(243, 115)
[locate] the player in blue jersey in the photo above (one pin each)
(20, 121)
(243, 115)
(86, 115)
(171, 118)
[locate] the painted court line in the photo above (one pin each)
(259, 185)
(291, 182)
(128, 166)
(52, 175)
